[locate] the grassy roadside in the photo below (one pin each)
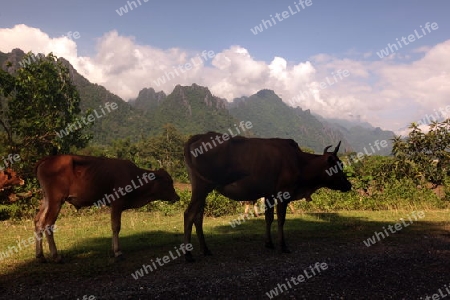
(84, 241)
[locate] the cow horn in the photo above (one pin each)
(326, 149)
(337, 148)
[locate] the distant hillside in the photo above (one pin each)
(271, 117)
(361, 135)
(347, 123)
(193, 109)
(148, 99)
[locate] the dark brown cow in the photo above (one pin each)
(86, 180)
(9, 178)
(249, 168)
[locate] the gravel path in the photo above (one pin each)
(391, 269)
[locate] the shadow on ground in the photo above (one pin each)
(409, 264)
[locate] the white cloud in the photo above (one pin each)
(33, 39)
(373, 90)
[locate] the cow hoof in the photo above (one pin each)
(57, 259)
(119, 258)
(270, 245)
(189, 258)
(41, 259)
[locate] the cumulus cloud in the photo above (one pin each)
(374, 90)
(33, 39)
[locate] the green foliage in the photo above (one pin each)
(218, 205)
(11, 211)
(271, 117)
(124, 149)
(169, 209)
(397, 194)
(307, 150)
(424, 157)
(447, 188)
(192, 109)
(163, 151)
(96, 150)
(371, 171)
(185, 198)
(39, 100)
(27, 201)
(123, 123)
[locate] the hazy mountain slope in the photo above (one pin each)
(362, 135)
(271, 117)
(148, 99)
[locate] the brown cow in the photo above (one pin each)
(9, 178)
(249, 168)
(86, 180)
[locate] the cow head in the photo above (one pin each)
(163, 186)
(334, 177)
(9, 178)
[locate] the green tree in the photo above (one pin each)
(164, 151)
(37, 101)
(421, 156)
(124, 149)
(373, 170)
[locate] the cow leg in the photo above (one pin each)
(198, 221)
(194, 213)
(45, 222)
(38, 234)
(281, 218)
(268, 214)
(116, 219)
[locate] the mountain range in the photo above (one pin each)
(194, 109)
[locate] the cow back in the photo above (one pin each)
(244, 162)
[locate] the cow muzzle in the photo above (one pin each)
(346, 187)
(174, 198)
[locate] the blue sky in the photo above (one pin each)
(313, 43)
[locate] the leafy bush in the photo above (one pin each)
(218, 205)
(11, 211)
(421, 156)
(26, 204)
(397, 194)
